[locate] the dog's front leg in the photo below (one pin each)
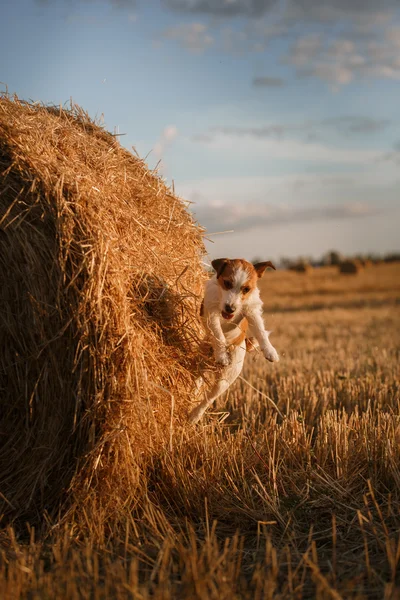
(217, 339)
(257, 329)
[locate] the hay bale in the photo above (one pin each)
(350, 267)
(99, 280)
(301, 267)
(366, 263)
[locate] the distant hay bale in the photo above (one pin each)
(301, 267)
(100, 274)
(366, 263)
(393, 257)
(350, 267)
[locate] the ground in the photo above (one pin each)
(289, 488)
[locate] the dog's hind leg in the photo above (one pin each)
(210, 396)
(225, 379)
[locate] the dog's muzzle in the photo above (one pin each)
(228, 312)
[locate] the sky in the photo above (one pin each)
(278, 120)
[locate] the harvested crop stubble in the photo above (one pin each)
(100, 268)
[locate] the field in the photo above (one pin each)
(290, 488)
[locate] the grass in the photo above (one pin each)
(256, 503)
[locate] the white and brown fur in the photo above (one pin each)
(232, 316)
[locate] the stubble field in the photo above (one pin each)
(289, 488)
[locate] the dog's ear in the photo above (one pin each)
(260, 267)
(219, 265)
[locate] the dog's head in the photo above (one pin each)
(237, 279)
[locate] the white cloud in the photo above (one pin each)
(364, 14)
(307, 131)
(362, 40)
(392, 35)
(197, 37)
(247, 215)
(311, 10)
(297, 214)
(249, 144)
(303, 189)
(193, 36)
(305, 49)
(268, 81)
(338, 61)
(223, 8)
(168, 135)
(254, 36)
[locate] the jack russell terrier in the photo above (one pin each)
(232, 316)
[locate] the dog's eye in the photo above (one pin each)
(245, 290)
(228, 284)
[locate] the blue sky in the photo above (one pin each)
(278, 118)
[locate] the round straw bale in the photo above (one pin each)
(350, 267)
(301, 267)
(366, 263)
(100, 276)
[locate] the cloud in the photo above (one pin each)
(253, 36)
(338, 61)
(123, 3)
(223, 8)
(260, 132)
(168, 135)
(362, 11)
(348, 125)
(248, 149)
(356, 124)
(392, 35)
(355, 39)
(393, 156)
(115, 3)
(193, 36)
(305, 49)
(265, 81)
(359, 43)
(245, 216)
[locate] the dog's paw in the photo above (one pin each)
(270, 353)
(223, 359)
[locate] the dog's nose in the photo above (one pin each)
(229, 309)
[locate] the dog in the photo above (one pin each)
(232, 317)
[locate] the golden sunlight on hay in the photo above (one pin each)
(99, 276)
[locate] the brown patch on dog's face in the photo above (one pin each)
(235, 273)
(219, 265)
